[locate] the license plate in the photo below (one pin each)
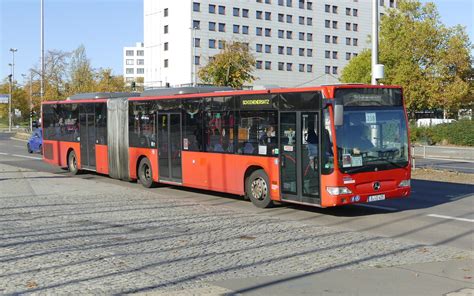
(376, 197)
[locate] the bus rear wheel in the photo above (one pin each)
(145, 173)
(257, 189)
(72, 163)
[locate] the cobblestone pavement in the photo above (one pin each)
(60, 234)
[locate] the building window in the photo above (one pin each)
(301, 20)
(258, 65)
(355, 12)
(289, 18)
(309, 37)
(289, 50)
(392, 3)
(354, 54)
(289, 34)
(334, 55)
(196, 24)
(212, 43)
(334, 39)
(165, 29)
(212, 26)
(334, 70)
(129, 53)
(309, 68)
(382, 3)
(281, 49)
(289, 3)
(280, 2)
(236, 29)
(196, 6)
(334, 9)
(245, 30)
(327, 23)
(289, 66)
(268, 2)
(348, 56)
(197, 42)
(212, 8)
(334, 24)
(221, 9)
(348, 41)
(309, 52)
(309, 5)
(129, 71)
(221, 44)
(301, 67)
(258, 14)
(268, 16)
(236, 11)
(268, 65)
(301, 4)
(327, 70)
(327, 54)
(327, 8)
(197, 60)
(327, 38)
(165, 46)
(281, 66)
(301, 36)
(221, 27)
(281, 17)
(309, 21)
(268, 32)
(301, 52)
(140, 71)
(165, 12)
(355, 41)
(268, 48)
(348, 26)
(140, 62)
(245, 13)
(281, 34)
(355, 27)
(165, 62)
(259, 31)
(259, 47)
(348, 11)
(129, 62)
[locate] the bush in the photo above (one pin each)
(456, 133)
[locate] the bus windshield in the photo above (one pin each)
(372, 139)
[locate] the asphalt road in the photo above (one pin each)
(437, 213)
(446, 164)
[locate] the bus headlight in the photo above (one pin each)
(338, 190)
(404, 183)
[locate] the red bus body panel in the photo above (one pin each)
(134, 155)
(225, 172)
(59, 152)
(102, 159)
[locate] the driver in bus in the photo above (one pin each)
(359, 141)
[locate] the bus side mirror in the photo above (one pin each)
(338, 114)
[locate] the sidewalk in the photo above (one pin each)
(453, 278)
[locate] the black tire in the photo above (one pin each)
(145, 173)
(72, 163)
(29, 149)
(41, 149)
(257, 189)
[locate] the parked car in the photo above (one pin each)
(35, 143)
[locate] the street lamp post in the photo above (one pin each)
(13, 50)
(31, 98)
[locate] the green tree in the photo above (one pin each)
(106, 82)
(81, 72)
(232, 67)
(431, 61)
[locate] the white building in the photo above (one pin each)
(134, 63)
(295, 42)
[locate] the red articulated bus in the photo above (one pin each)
(322, 146)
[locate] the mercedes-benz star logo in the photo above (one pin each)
(376, 185)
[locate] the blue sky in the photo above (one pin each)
(104, 27)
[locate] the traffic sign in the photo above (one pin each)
(4, 98)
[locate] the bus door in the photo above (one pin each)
(169, 147)
(299, 156)
(88, 140)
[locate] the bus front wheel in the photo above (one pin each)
(145, 173)
(72, 163)
(258, 190)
